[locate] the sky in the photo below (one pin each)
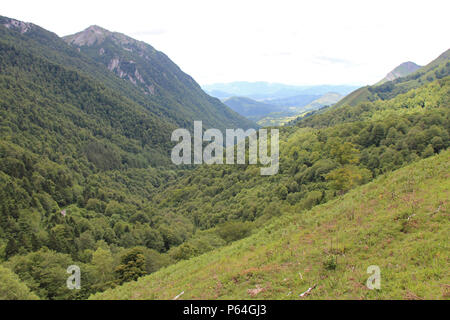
(291, 42)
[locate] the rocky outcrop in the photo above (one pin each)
(22, 27)
(118, 63)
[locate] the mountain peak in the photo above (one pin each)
(89, 36)
(96, 35)
(96, 28)
(120, 53)
(401, 70)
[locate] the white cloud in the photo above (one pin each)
(296, 42)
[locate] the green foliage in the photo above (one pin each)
(330, 263)
(348, 177)
(11, 288)
(232, 231)
(132, 266)
(103, 264)
(44, 272)
(292, 253)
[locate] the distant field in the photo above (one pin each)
(276, 121)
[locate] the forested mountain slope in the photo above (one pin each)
(179, 101)
(436, 93)
(399, 222)
(82, 153)
(47, 45)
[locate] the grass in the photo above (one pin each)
(398, 222)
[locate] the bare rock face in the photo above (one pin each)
(18, 25)
(118, 49)
(138, 76)
(88, 37)
(113, 64)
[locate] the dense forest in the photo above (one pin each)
(87, 180)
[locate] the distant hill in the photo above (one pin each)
(278, 112)
(272, 91)
(250, 108)
(291, 114)
(437, 69)
(402, 70)
(327, 99)
(294, 101)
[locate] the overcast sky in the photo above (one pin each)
(292, 42)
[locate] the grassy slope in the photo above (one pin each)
(367, 226)
(357, 96)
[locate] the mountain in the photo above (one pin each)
(156, 75)
(59, 101)
(271, 91)
(437, 69)
(134, 114)
(402, 70)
